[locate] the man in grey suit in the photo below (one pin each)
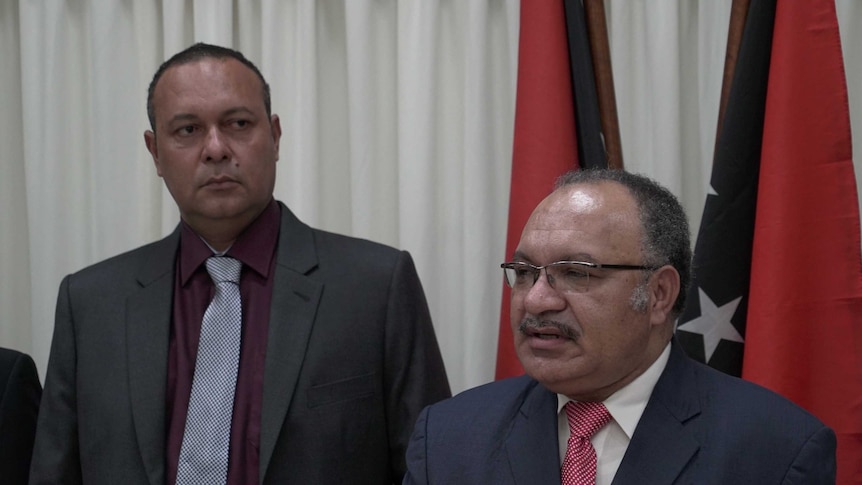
(597, 280)
(337, 353)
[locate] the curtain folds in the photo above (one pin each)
(397, 120)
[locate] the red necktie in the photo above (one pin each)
(585, 418)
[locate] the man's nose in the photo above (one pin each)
(215, 146)
(542, 297)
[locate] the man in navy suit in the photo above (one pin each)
(20, 392)
(597, 280)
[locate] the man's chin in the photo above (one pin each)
(557, 374)
(227, 208)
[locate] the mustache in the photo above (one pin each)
(533, 323)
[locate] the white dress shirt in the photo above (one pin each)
(626, 407)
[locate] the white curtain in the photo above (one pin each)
(397, 119)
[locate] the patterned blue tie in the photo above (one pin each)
(206, 441)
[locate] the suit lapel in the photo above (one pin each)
(532, 445)
(147, 339)
(665, 438)
(294, 305)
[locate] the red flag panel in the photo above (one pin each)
(804, 330)
(545, 144)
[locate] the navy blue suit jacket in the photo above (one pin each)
(699, 427)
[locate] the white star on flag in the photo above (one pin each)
(714, 323)
(711, 191)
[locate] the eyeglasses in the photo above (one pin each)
(565, 276)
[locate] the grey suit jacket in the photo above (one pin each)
(699, 427)
(351, 359)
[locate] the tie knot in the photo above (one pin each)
(223, 269)
(585, 418)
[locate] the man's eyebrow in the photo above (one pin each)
(182, 117)
(521, 256)
(237, 110)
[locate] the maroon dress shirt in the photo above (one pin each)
(193, 290)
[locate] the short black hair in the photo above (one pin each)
(665, 225)
(197, 52)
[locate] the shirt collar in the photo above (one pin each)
(627, 404)
(255, 246)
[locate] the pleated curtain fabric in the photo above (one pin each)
(206, 441)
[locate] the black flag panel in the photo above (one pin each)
(712, 327)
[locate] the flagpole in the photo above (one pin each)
(597, 30)
(738, 16)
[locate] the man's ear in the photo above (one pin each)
(150, 142)
(275, 125)
(664, 288)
